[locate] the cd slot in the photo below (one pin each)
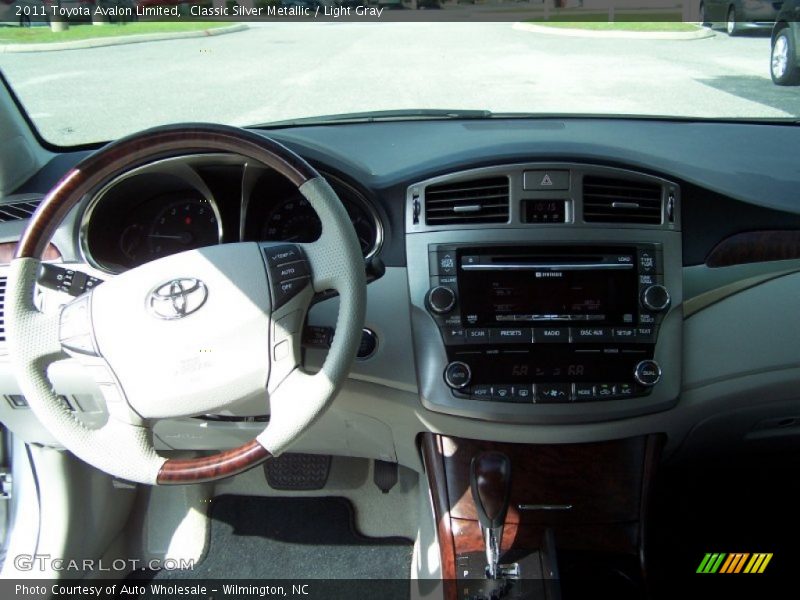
(534, 266)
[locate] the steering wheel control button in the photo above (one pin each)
(283, 291)
(457, 375)
(368, 345)
(281, 350)
(647, 373)
(441, 299)
(75, 328)
(655, 298)
(281, 255)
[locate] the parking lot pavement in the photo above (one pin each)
(288, 70)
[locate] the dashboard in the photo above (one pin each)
(192, 202)
(720, 223)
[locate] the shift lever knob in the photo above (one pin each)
(490, 480)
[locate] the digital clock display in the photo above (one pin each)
(544, 211)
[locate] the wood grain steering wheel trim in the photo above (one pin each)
(143, 148)
(216, 466)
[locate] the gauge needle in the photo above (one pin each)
(184, 237)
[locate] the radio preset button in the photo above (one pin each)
(511, 335)
(441, 299)
(551, 335)
(457, 375)
(647, 372)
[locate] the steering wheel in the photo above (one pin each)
(191, 333)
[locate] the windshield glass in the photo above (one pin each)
(83, 82)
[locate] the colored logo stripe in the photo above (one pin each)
(737, 562)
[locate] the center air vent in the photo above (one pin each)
(611, 200)
(467, 202)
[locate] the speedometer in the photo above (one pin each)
(294, 220)
(183, 225)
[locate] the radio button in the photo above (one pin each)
(646, 318)
(481, 392)
(624, 334)
(553, 392)
(591, 334)
(647, 373)
(523, 393)
(502, 393)
(457, 375)
(441, 299)
(584, 392)
(551, 335)
(511, 335)
(478, 336)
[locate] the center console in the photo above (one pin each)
(537, 304)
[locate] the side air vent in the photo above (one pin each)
(3, 310)
(611, 200)
(15, 211)
(467, 202)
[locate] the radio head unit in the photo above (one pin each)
(548, 323)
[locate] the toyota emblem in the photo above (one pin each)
(177, 298)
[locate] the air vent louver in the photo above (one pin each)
(3, 310)
(16, 211)
(610, 200)
(467, 202)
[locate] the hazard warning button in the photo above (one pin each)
(545, 180)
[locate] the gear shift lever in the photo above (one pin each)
(490, 480)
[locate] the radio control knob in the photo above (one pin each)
(655, 298)
(441, 299)
(457, 375)
(647, 373)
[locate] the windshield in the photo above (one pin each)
(82, 82)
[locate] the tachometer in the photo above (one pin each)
(293, 220)
(183, 225)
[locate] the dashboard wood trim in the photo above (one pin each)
(7, 250)
(755, 246)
